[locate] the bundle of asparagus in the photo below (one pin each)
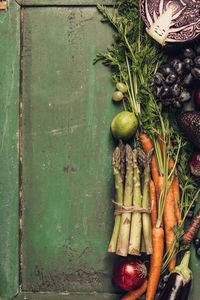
(132, 227)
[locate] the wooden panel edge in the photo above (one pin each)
(64, 2)
(66, 296)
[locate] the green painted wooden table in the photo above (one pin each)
(66, 182)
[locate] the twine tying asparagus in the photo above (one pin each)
(122, 209)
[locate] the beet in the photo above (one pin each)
(189, 124)
(194, 163)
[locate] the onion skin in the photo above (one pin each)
(129, 273)
(194, 164)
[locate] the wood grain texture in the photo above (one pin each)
(63, 2)
(9, 96)
(67, 152)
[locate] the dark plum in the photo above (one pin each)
(189, 52)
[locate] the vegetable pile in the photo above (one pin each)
(156, 189)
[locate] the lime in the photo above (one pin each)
(124, 125)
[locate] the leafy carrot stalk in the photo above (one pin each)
(155, 172)
(175, 181)
(147, 145)
(133, 295)
(118, 170)
(192, 229)
(124, 230)
(155, 262)
(170, 221)
(175, 187)
(146, 218)
(153, 204)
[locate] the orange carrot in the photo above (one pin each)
(147, 145)
(153, 204)
(155, 262)
(175, 186)
(133, 295)
(175, 182)
(159, 189)
(146, 142)
(170, 220)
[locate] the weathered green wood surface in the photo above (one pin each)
(9, 96)
(67, 152)
(72, 296)
(62, 2)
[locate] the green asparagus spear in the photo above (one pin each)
(136, 222)
(118, 171)
(124, 231)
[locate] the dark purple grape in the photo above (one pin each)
(198, 252)
(190, 214)
(196, 242)
(175, 61)
(197, 50)
(189, 52)
(196, 73)
(165, 278)
(158, 78)
(175, 90)
(177, 104)
(158, 90)
(197, 61)
(166, 92)
(188, 79)
(178, 66)
(161, 285)
(188, 63)
(166, 103)
(184, 96)
(166, 69)
(171, 78)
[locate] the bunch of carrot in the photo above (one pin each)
(164, 196)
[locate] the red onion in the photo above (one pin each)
(194, 163)
(129, 273)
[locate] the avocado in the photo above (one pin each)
(189, 124)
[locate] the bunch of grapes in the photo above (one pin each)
(174, 80)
